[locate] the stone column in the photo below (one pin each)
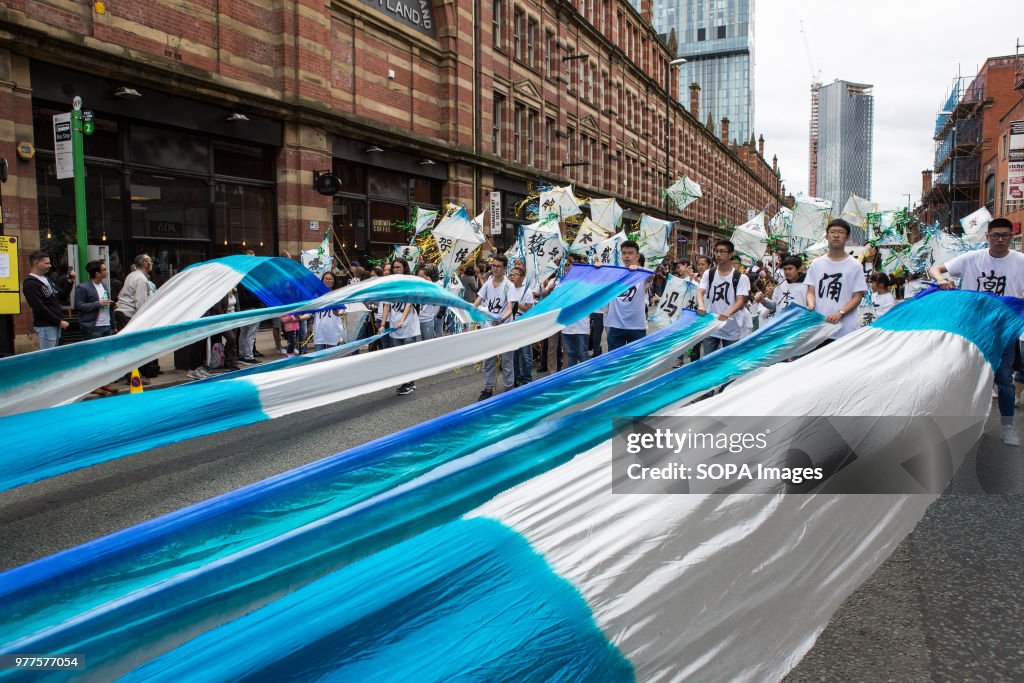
(306, 149)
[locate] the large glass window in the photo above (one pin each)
(388, 185)
(242, 161)
(243, 218)
(169, 207)
(169, 149)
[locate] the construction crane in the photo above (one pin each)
(812, 148)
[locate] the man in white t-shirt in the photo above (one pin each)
(835, 282)
(724, 291)
(495, 295)
(999, 271)
(520, 301)
(626, 320)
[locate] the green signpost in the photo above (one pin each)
(78, 162)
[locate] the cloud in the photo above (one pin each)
(909, 52)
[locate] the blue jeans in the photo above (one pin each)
(403, 342)
(575, 348)
(1004, 382)
(618, 336)
(522, 359)
(427, 329)
(49, 337)
(712, 344)
(95, 332)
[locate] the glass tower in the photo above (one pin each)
(846, 115)
(717, 39)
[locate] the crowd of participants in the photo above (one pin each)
(848, 291)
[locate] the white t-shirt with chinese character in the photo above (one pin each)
(982, 272)
(720, 299)
(790, 293)
(834, 284)
(494, 298)
(628, 311)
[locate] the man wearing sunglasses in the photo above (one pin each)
(999, 271)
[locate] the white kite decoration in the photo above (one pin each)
(318, 260)
(782, 222)
(410, 253)
(423, 219)
(976, 225)
(856, 211)
(607, 214)
(751, 238)
(684, 192)
(456, 240)
(589, 234)
(609, 252)
(542, 250)
(810, 217)
(680, 294)
(559, 201)
(653, 240)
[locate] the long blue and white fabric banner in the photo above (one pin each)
(193, 291)
(342, 508)
(559, 578)
(510, 557)
(42, 379)
(93, 433)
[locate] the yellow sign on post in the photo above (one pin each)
(10, 282)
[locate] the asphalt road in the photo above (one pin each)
(946, 605)
(51, 515)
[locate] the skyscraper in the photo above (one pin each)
(845, 122)
(717, 39)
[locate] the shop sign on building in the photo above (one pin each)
(1015, 167)
(495, 213)
(416, 14)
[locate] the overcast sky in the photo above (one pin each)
(909, 51)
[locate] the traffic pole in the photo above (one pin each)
(78, 164)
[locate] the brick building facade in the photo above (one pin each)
(212, 117)
(971, 146)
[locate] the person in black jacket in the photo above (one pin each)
(43, 298)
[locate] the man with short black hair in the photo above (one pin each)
(626, 320)
(1000, 271)
(43, 298)
(835, 281)
(92, 301)
(723, 291)
(495, 294)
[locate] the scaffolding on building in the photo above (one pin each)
(958, 145)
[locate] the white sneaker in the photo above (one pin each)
(1010, 437)
(1020, 401)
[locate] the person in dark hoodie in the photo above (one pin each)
(43, 297)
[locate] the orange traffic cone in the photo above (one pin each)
(136, 382)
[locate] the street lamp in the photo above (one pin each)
(668, 125)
